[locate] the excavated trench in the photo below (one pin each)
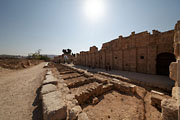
(103, 97)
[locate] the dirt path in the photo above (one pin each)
(18, 93)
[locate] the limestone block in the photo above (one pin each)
(46, 65)
(63, 88)
(48, 88)
(173, 71)
(169, 109)
(123, 86)
(87, 74)
(101, 80)
(74, 112)
(49, 72)
(83, 116)
(156, 98)
(50, 80)
(54, 108)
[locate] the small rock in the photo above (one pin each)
(74, 112)
(83, 116)
(95, 101)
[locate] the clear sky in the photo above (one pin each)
(53, 25)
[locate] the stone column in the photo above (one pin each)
(171, 107)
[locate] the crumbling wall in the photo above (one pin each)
(137, 52)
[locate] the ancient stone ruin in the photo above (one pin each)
(142, 52)
(73, 93)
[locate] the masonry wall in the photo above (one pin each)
(136, 53)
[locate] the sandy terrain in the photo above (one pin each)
(18, 93)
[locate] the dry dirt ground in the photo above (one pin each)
(18, 63)
(116, 106)
(19, 93)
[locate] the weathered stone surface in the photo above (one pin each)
(169, 109)
(54, 108)
(177, 40)
(63, 88)
(173, 71)
(50, 80)
(94, 90)
(123, 86)
(101, 80)
(175, 92)
(156, 98)
(70, 97)
(74, 112)
(49, 72)
(87, 74)
(48, 88)
(83, 116)
(80, 82)
(141, 92)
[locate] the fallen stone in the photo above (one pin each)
(83, 116)
(54, 108)
(95, 101)
(74, 112)
(123, 86)
(156, 98)
(169, 109)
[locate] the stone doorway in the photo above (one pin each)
(163, 61)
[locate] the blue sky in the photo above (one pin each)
(53, 25)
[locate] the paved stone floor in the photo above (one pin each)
(163, 82)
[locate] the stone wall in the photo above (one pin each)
(136, 53)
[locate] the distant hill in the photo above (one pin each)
(50, 56)
(3, 56)
(11, 56)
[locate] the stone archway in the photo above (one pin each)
(163, 61)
